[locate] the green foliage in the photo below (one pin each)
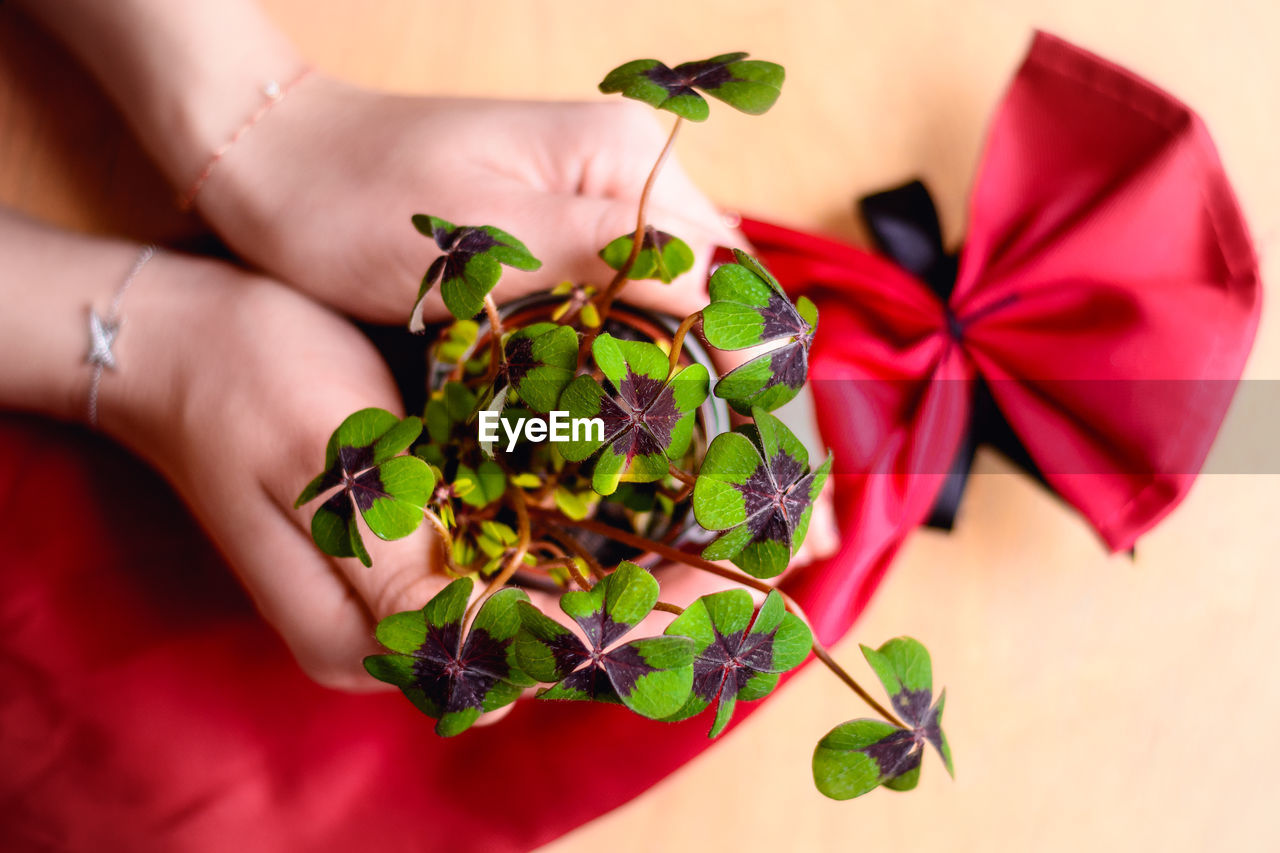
(540, 361)
(860, 755)
(662, 256)
(749, 85)
(749, 307)
(647, 421)
(447, 676)
(470, 266)
(545, 503)
(575, 505)
(580, 299)
(739, 651)
(651, 676)
(756, 487)
(448, 409)
(456, 341)
(362, 462)
(481, 486)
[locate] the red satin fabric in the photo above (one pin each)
(1110, 297)
(145, 706)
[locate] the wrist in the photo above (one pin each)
(204, 140)
(169, 319)
(50, 281)
(254, 180)
(220, 96)
(185, 75)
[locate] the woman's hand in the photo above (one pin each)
(321, 191)
(230, 384)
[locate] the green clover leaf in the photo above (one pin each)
(647, 422)
(748, 307)
(390, 491)
(755, 485)
(651, 676)
(749, 85)
(470, 266)
(662, 256)
(739, 652)
(449, 677)
(858, 756)
(540, 361)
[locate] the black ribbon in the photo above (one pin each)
(904, 224)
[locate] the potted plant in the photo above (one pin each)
(571, 442)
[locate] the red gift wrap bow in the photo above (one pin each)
(1106, 297)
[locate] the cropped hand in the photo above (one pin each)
(230, 385)
(321, 192)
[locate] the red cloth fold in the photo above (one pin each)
(1108, 294)
(145, 706)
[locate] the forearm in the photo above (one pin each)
(49, 282)
(185, 74)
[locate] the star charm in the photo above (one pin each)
(101, 336)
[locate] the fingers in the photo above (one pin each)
(326, 608)
(405, 573)
(326, 626)
(567, 233)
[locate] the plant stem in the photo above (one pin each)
(605, 300)
(517, 556)
(550, 547)
(548, 486)
(667, 552)
(446, 543)
(668, 607)
(496, 354)
(821, 653)
(682, 475)
(571, 566)
(677, 497)
(573, 545)
(677, 342)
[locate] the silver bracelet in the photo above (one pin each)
(104, 328)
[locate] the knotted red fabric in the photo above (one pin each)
(145, 706)
(1107, 293)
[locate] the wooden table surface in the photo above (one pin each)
(1094, 702)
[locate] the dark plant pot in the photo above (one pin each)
(629, 323)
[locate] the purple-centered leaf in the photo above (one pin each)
(749, 307)
(755, 485)
(446, 675)
(751, 86)
(855, 757)
(469, 267)
(645, 423)
(388, 490)
(539, 361)
(858, 756)
(661, 256)
(740, 651)
(651, 676)
(906, 671)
